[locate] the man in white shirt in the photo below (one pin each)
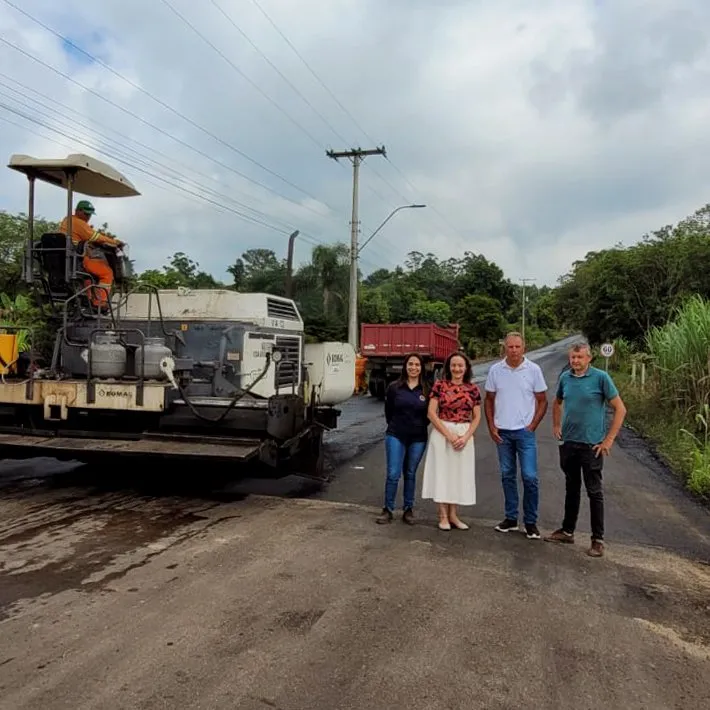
(515, 404)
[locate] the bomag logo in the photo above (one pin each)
(335, 358)
(114, 393)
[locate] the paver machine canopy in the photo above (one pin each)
(53, 261)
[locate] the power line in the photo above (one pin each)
(315, 76)
(153, 126)
(133, 165)
(141, 159)
(331, 94)
(232, 22)
(239, 71)
(71, 146)
(190, 194)
(355, 122)
(160, 102)
(160, 130)
(303, 98)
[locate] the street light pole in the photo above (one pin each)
(522, 330)
(389, 217)
(289, 264)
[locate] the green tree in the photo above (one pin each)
(331, 268)
(262, 272)
(13, 237)
(625, 291)
(180, 271)
(438, 312)
(373, 306)
(238, 272)
(480, 318)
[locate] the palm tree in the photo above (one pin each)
(330, 271)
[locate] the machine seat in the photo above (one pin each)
(50, 253)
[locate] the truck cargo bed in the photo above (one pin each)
(391, 340)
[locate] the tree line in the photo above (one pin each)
(620, 292)
(470, 290)
(626, 291)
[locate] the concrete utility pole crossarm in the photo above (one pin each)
(356, 156)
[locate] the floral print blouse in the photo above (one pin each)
(456, 402)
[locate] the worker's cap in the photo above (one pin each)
(85, 206)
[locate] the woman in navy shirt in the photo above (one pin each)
(406, 436)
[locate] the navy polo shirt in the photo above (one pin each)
(584, 405)
(406, 413)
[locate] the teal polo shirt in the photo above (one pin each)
(584, 405)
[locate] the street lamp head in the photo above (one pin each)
(416, 206)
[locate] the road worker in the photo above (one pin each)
(95, 261)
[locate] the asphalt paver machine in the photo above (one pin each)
(194, 376)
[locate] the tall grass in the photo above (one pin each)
(680, 355)
(699, 478)
(678, 389)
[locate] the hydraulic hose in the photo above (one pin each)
(232, 403)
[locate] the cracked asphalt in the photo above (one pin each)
(124, 592)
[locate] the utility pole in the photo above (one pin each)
(289, 265)
(524, 281)
(356, 156)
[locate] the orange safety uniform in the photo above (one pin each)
(95, 261)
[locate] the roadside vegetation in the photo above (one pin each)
(470, 290)
(652, 300)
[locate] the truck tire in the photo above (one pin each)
(372, 386)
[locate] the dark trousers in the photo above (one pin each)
(579, 462)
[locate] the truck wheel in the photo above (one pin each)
(372, 386)
(381, 389)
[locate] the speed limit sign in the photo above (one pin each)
(607, 350)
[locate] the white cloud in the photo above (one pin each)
(536, 130)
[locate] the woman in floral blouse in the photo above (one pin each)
(450, 466)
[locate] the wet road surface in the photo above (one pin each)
(119, 594)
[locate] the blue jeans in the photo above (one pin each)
(402, 458)
(522, 443)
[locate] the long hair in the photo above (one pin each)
(403, 379)
(467, 375)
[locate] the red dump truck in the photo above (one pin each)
(386, 345)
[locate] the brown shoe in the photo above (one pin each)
(408, 516)
(597, 549)
(560, 536)
(384, 517)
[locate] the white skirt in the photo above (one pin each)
(450, 475)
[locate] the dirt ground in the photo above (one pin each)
(294, 604)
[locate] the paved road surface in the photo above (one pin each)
(645, 504)
(121, 597)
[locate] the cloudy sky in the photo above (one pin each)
(534, 130)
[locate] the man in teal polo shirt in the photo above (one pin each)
(579, 422)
